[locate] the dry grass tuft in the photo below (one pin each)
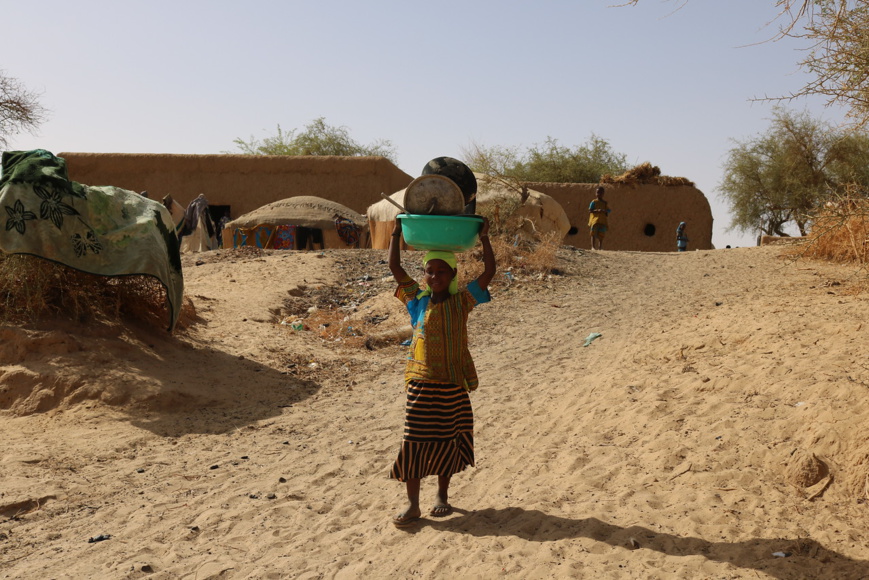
(645, 174)
(518, 249)
(520, 257)
(840, 233)
(33, 289)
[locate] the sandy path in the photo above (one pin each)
(656, 452)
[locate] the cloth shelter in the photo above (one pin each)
(298, 223)
(102, 230)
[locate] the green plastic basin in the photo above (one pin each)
(448, 233)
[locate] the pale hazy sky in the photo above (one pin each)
(664, 84)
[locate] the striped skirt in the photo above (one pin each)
(438, 432)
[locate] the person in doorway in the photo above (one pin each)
(439, 421)
(598, 212)
(681, 238)
(221, 225)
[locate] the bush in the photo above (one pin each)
(513, 254)
(33, 289)
(840, 233)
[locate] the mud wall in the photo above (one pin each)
(643, 217)
(243, 182)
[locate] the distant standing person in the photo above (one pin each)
(221, 225)
(598, 211)
(681, 238)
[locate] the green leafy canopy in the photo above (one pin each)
(785, 174)
(549, 162)
(317, 138)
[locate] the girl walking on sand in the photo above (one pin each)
(439, 422)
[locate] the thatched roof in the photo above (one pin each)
(645, 174)
(304, 210)
(539, 212)
(383, 211)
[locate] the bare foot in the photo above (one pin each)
(407, 517)
(441, 509)
(442, 505)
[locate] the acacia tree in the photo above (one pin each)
(783, 175)
(838, 33)
(19, 109)
(550, 162)
(318, 138)
(838, 59)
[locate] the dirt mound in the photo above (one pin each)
(138, 366)
(45, 370)
(805, 469)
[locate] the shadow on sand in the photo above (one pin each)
(807, 558)
(168, 385)
(180, 386)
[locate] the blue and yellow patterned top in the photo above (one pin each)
(439, 348)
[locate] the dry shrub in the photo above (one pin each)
(506, 222)
(840, 233)
(503, 217)
(521, 257)
(519, 248)
(33, 289)
(645, 174)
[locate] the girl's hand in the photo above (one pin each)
(484, 229)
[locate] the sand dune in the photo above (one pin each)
(718, 420)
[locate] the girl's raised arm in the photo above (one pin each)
(488, 257)
(395, 254)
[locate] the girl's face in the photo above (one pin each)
(438, 275)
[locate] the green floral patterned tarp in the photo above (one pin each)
(102, 230)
